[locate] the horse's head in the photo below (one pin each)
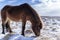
(38, 28)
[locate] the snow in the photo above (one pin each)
(16, 37)
(50, 10)
(50, 30)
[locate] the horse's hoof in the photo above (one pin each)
(10, 31)
(34, 36)
(23, 34)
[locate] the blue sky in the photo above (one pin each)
(17, 2)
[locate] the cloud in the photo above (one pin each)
(33, 1)
(12, 1)
(49, 8)
(2, 0)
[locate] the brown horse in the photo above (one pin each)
(24, 12)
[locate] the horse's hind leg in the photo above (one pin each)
(8, 27)
(3, 17)
(23, 26)
(3, 26)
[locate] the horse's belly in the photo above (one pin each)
(14, 18)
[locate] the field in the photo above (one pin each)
(50, 30)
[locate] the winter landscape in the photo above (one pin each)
(50, 30)
(49, 10)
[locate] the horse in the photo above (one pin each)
(22, 12)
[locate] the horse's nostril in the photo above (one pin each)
(38, 34)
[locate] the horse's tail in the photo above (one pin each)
(3, 11)
(5, 8)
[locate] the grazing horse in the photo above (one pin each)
(24, 12)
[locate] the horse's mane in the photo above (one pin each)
(26, 5)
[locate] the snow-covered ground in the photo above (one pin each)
(50, 30)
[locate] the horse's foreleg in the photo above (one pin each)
(23, 27)
(8, 27)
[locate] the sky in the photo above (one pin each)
(17, 2)
(43, 7)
